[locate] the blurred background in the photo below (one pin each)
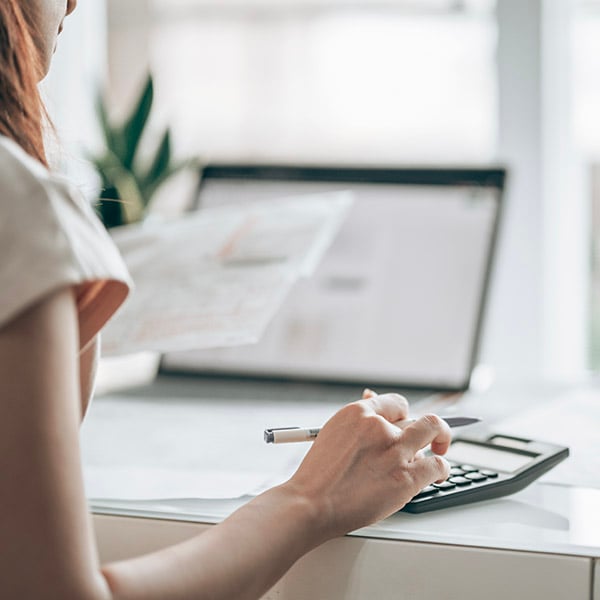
(379, 82)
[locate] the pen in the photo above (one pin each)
(283, 435)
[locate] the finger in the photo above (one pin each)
(392, 407)
(367, 393)
(421, 454)
(429, 429)
(430, 469)
(441, 446)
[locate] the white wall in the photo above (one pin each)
(537, 323)
(78, 69)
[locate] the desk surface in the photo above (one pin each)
(545, 517)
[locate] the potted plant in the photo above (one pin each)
(129, 182)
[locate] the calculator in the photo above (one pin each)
(486, 466)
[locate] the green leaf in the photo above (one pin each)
(132, 204)
(110, 212)
(107, 130)
(162, 160)
(135, 124)
(128, 206)
(106, 164)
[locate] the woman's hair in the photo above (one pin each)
(22, 112)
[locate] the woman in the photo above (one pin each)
(60, 281)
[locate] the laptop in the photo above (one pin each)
(398, 300)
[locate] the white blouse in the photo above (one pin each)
(51, 238)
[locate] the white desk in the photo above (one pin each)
(542, 543)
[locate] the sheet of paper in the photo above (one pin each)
(216, 278)
(141, 483)
(208, 510)
(167, 448)
(572, 420)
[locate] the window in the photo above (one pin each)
(361, 82)
(586, 115)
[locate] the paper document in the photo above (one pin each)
(571, 420)
(217, 277)
(169, 448)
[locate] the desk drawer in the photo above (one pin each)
(352, 568)
(365, 569)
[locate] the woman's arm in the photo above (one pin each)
(88, 365)
(47, 542)
(346, 481)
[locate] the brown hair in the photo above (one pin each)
(22, 112)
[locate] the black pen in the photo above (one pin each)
(284, 435)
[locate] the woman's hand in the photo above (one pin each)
(362, 468)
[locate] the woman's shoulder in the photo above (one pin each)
(31, 194)
(21, 175)
(11, 154)
(52, 237)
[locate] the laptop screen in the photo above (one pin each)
(397, 299)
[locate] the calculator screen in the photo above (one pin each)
(484, 456)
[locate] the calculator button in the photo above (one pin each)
(427, 491)
(475, 476)
(456, 471)
(460, 481)
(489, 473)
(445, 485)
(468, 468)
